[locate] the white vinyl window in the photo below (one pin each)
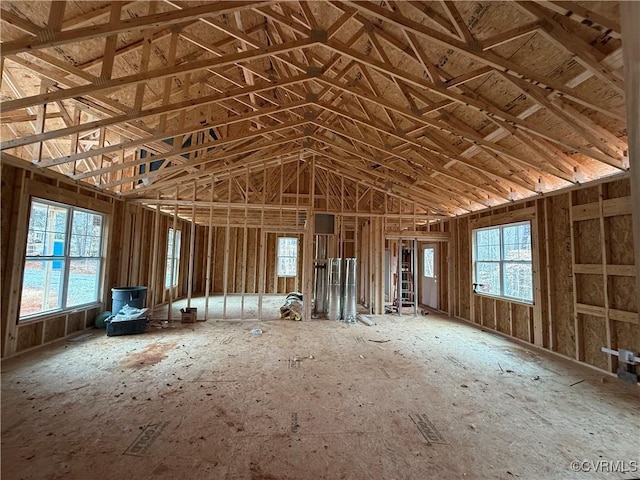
(428, 261)
(173, 258)
(287, 256)
(502, 261)
(63, 260)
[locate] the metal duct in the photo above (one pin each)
(349, 299)
(334, 268)
(320, 285)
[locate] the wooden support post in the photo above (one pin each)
(297, 286)
(244, 245)
(154, 260)
(539, 333)
(468, 258)
(207, 287)
(629, 20)
(511, 319)
(342, 250)
(369, 273)
(307, 265)
(371, 192)
(173, 255)
(134, 245)
(276, 279)
(356, 253)
(261, 267)
(307, 256)
(459, 262)
(192, 245)
(364, 263)
(399, 273)
(577, 321)
(450, 269)
(227, 239)
(326, 193)
(400, 247)
(142, 243)
(371, 268)
(495, 314)
(373, 262)
(19, 219)
(547, 250)
(379, 304)
(263, 245)
(605, 276)
(125, 247)
(415, 275)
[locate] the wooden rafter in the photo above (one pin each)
(406, 100)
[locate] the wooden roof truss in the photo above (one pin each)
(450, 106)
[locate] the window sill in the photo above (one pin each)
(49, 314)
(505, 299)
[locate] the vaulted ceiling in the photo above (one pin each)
(452, 106)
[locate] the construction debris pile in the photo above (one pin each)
(292, 308)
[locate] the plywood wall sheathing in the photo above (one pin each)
(585, 293)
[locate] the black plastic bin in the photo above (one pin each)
(116, 327)
(132, 296)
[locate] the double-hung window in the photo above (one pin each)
(502, 261)
(63, 261)
(287, 256)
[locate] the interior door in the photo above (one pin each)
(429, 274)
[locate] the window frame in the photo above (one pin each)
(502, 262)
(65, 259)
(175, 261)
(279, 274)
(425, 263)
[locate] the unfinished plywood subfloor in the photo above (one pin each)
(309, 400)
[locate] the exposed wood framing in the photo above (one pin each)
(291, 78)
(596, 305)
(630, 15)
(240, 119)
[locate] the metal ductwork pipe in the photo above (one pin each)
(349, 299)
(320, 287)
(334, 298)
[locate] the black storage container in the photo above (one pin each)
(117, 327)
